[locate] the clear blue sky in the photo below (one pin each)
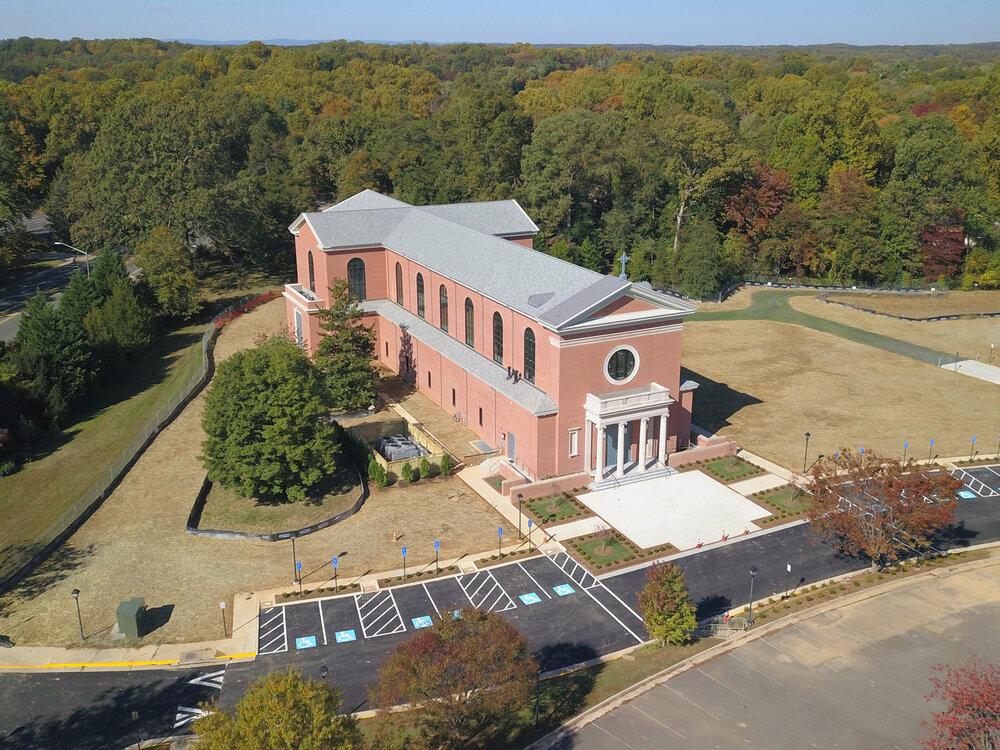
(749, 22)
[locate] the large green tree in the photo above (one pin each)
(166, 265)
(266, 421)
(280, 711)
(665, 605)
(345, 351)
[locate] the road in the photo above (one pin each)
(51, 281)
(567, 615)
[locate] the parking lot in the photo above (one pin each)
(566, 614)
(980, 482)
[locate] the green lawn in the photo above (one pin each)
(731, 468)
(555, 508)
(33, 499)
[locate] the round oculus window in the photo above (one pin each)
(621, 365)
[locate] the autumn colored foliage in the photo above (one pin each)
(879, 507)
(971, 719)
(467, 674)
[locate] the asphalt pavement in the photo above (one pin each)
(51, 281)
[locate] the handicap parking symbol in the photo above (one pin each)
(531, 598)
(421, 622)
(563, 590)
(344, 636)
(308, 642)
(966, 495)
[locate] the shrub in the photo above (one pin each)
(445, 465)
(407, 472)
(425, 467)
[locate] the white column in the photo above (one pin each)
(642, 443)
(663, 439)
(620, 472)
(600, 452)
(586, 444)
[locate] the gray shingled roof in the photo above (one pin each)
(544, 288)
(522, 392)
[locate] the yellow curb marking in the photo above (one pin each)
(237, 656)
(67, 665)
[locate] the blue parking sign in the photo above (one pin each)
(298, 565)
(404, 551)
(335, 562)
(500, 531)
(437, 545)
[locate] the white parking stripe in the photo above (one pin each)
(379, 614)
(322, 624)
(279, 627)
(601, 605)
(427, 591)
(478, 597)
(540, 586)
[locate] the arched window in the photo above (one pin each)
(356, 277)
(312, 273)
(529, 355)
(420, 296)
(497, 338)
(443, 304)
(399, 284)
(470, 323)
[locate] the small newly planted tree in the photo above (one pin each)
(445, 466)
(464, 675)
(666, 604)
(280, 711)
(879, 507)
(971, 719)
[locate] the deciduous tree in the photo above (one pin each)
(879, 507)
(666, 606)
(971, 719)
(265, 420)
(280, 711)
(464, 674)
(166, 265)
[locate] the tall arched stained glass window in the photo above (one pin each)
(356, 278)
(399, 284)
(443, 305)
(529, 355)
(497, 338)
(470, 323)
(420, 296)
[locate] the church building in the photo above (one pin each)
(560, 368)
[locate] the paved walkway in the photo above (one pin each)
(850, 674)
(981, 370)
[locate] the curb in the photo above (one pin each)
(580, 721)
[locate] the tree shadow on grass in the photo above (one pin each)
(715, 402)
(63, 561)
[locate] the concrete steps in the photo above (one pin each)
(631, 478)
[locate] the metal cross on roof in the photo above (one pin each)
(624, 259)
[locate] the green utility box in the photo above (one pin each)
(130, 617)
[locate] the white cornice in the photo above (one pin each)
(609, 337)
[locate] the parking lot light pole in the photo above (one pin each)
(82, 252)
(75, 593)
(805, 457)
(753, 574)
(520, 499)
(323, 672)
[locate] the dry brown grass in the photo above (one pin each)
(766, 384)
(135, 544)
(923, 305)
(970, 337)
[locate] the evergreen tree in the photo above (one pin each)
(345, 352)
(79, 299)
(108, 268)
(120, 323)
(666, 607)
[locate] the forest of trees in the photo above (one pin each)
(847, 165)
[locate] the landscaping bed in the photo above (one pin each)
(786, 503)
(605, 551)
(727, 470)
(555, 507)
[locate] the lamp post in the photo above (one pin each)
(82, 252)
(805, 457)
(75, 593)
(520, 500)
(753, 574)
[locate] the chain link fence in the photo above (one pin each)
(15, 568)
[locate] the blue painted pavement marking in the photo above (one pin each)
(308, 642)
(531, 598)
(421, 622)
(343, 636)
(564, 590)
(966, 495)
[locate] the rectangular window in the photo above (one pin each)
(452, 396)
(428, 378)
(574, 443)
(387, 349)
(480, 416)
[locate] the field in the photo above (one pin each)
(135, 544)
(923, 305)
(765, 383)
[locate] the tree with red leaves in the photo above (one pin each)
(753, 208)
(942, 248)
(879, 507)
(464, 674)
(971, 719)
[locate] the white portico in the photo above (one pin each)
(609, 430)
